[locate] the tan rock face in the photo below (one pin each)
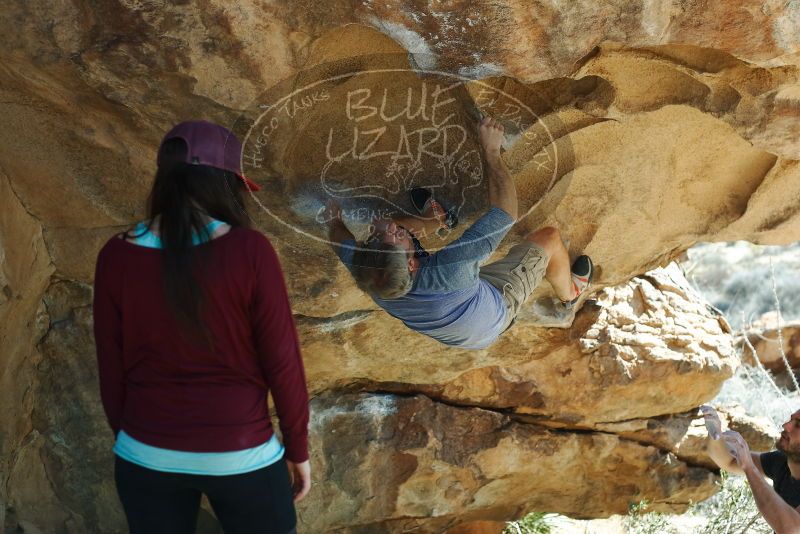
(25, 270)
(424, 465)
(637, 129)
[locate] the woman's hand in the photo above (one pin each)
(300, 475)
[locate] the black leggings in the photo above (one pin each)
(255, 502)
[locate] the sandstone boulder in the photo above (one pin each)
(422, 465)
(630, 338)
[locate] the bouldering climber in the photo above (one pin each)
(449, 295)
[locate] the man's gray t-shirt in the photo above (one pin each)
(448, 301)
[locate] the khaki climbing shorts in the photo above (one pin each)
(517, 275)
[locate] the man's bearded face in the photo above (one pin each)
(789, 442)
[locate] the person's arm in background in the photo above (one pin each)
(717, 448)
(108, 341)
(502, 191)
(278, 349)
(780, 515)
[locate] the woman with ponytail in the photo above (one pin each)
(193, 328)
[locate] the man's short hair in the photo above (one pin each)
(381, 269)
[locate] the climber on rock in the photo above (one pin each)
(448, 295)
(779, 504)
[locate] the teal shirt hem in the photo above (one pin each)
(198, 463)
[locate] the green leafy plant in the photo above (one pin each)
(640, 521)
(732, 510)
(533, 523)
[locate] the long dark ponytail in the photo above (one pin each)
(181, 195)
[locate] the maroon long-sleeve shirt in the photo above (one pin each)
(171, 393)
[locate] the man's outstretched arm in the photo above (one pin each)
(781, 517)
(502, 191)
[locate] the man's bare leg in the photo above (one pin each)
(558, 268)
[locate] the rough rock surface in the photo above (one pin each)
(417, 459)
(622, 345)
(639, 129)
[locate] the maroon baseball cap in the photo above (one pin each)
(209, 144)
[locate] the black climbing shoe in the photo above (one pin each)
(582, 272)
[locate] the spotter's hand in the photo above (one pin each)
(738, 448)
(713, 424)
